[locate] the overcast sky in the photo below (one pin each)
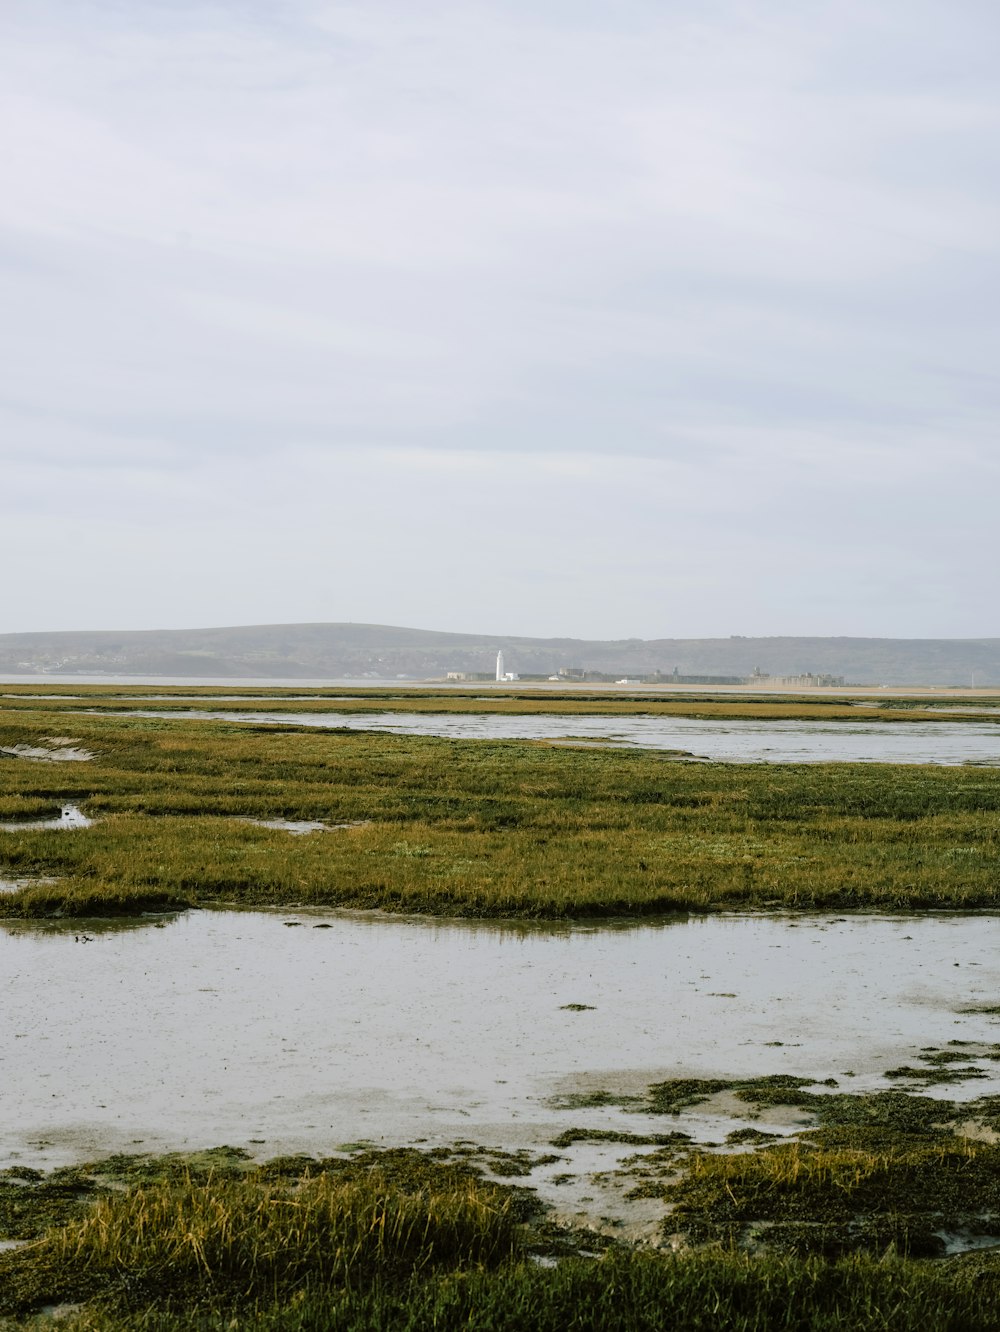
(648, 318)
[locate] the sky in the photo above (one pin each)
(662, 318)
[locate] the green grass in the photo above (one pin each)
(401, 1241)
(240, 1236)
(881, 1171)
(835, 1194)
(479, 828)
(620, 1293)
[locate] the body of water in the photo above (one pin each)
(302, 1031)
(736, 740)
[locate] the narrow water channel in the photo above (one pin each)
(735, 740)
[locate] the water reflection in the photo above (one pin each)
(297, 827)
(81, 929)
(71, 816)
(509, 928)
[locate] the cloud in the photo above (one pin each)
(703, 261)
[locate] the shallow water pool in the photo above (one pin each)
(302, 1031)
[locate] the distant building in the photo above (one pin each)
(804, 681)
(675, 677)
(500, 665)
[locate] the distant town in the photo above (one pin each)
(572, 674)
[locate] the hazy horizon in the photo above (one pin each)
(644, 321)
(512, 637)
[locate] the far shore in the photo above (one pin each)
(663, 687)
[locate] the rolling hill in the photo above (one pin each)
(388, 652)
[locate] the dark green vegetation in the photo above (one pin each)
(180, 1233)
(882, 1171)
(835, 1192)
(875, 1172)
(947, 1065)
(476, 828)
(879, 1171)
(406, 1240)
(887, 1111)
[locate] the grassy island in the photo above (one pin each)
(470, 827)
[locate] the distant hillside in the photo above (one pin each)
(337, 651)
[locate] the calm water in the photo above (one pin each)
(732, 740)
(262, 1028)
(72, 816)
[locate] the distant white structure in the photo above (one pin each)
(500, 665)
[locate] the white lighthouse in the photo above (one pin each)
(500, 665)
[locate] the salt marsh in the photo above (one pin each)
(735, 740)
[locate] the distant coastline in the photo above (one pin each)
(345, 655)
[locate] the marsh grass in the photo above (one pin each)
(243, 1237)
(882, 1170)
(311, 1252)
(481, 828)
(834, 1194)
(414, 1240)
(621, 1292)
(581, 701)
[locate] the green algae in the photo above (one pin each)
(835, 1194)
(880, 1169)
(569, 1136)
(928, 1076)
(30, 1203)
(749, 1137)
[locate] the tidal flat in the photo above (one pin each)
(285, 1029)
(728, 739)
(615, 1037)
